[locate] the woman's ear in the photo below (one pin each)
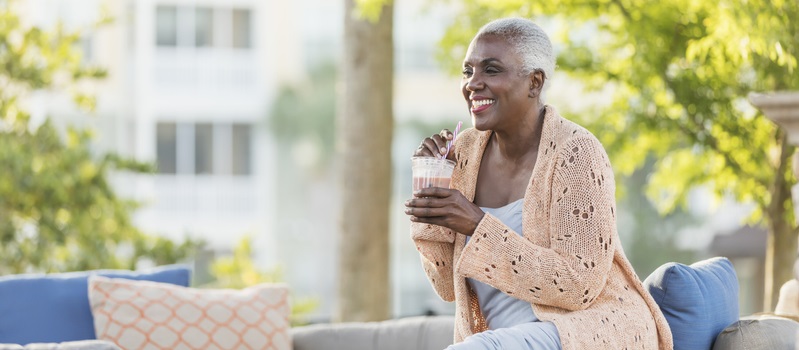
(536, 83)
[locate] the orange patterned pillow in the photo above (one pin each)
(150, 315)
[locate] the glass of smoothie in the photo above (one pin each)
(431, 172)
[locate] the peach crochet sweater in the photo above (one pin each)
(569, 263)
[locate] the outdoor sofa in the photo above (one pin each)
(700, 302)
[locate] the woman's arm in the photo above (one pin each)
(582, 229)
(435, 243)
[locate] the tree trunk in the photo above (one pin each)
(782, 239)
(363, 144)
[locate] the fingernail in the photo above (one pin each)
(443, 150)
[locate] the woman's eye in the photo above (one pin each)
(467, 72)
(491, 70)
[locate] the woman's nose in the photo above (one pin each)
(473, 84)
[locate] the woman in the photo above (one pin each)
(525, 240)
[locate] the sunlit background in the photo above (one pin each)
(234, 103)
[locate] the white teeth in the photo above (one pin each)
(480, 103)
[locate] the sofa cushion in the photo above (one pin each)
(759, 332)
(421, 333)
(54, 308)
(699, 300)
(788, 302)
(149, 315)
(72, 345)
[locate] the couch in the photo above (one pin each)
(700, 302)
(420, 333)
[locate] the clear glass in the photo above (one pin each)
(431, 172)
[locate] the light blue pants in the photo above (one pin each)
(530, 335)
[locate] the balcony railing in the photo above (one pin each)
(201, 196)
(204, 68)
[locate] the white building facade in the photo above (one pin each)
(190, 87)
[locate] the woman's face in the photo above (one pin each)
(497, 94)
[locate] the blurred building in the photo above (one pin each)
(746, 249)
(190, 87)
(187, 90)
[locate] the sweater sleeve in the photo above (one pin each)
(573, 270)
(436, 256)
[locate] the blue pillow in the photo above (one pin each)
(54, 308)
(699, 301)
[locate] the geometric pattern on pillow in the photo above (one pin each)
(149, 315)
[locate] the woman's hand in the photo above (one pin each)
(444, 207)
(435, 146)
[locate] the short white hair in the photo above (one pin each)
(528, 40)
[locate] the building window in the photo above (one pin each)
(204, 148)
(166, 33)
(241, 28)
(241, 149)
(203, 27)
(166, 148)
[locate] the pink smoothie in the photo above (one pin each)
(424, 182)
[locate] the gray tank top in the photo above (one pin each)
(499, 309)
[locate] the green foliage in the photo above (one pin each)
(648, 245)
(370, 9)
(680, 72)
(58, 211)
(306, 113)
(239, 271)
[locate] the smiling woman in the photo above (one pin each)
(524, 240)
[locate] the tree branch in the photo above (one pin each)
(623, 9)
(781, 190)
(710, 140)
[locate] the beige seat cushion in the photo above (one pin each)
(766, 332)
(419, 333)
(788, 304)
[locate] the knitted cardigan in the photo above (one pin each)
(569, 264)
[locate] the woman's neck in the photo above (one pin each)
(521, 140)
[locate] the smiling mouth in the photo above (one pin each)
(481, 105)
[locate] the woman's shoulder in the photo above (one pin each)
(469, 138)
(566, 135)
(565, 131)
(469, 134)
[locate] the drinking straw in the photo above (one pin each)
(454, 137)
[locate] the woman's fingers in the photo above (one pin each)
(434, 220)
(423, 151)
(428, 202)
(444, 207)
(426, 212)
(434, 146)
(438, 192)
